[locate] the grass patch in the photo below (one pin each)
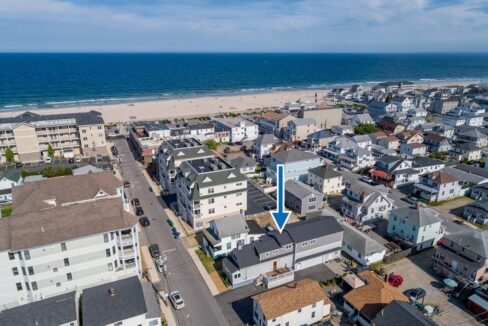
(442, 202)
(6, 211)
(207, 261)
(479, 226)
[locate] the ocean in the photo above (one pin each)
(66, 79)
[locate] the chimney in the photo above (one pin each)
(111, 292)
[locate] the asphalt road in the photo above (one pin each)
(182, 275)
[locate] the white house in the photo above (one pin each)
(238, 128)
(361, 247)
(296, 304)
(437, 186)
(263, 144)
(325, 179)
(9, 179)
(413, 149)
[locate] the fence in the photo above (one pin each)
(397, 255)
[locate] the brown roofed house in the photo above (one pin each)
(303, 300)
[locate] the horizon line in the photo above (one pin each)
(244, 52)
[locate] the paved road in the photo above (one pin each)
(201, 307)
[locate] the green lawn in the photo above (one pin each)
(207, 261)
(6, 211)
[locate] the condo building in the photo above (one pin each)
(239, 129)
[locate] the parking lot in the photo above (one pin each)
(257, 200)
(56, 163)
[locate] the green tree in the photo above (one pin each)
(389, 97)
(50, 151)
(365, 128)
(212, 144)
(9, 155)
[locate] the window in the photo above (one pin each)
(239, 204)
(27, 286)
(30, 269)
(15, 271)
(211, 211)
(55, 269)
(311, 207)
(211, 190)
(116, 264)
(288, 246)
(19, 286)
(312, 242)
(34, 286)
(118, 323)
(300, 310)
(211, 200)
(237, 275)
(23, 271)
(105, 237)
(69, 276)
(313, 314)
(305, 244)
(63, 246)
(27, 255)
(107, 252)
(66, 262)
(11, 256)
(113, 250)
(314, 305)
(313, 199)
(239, 184)
(110, 267)
(229, 246)
(58, 284)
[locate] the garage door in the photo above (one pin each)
(309, 263)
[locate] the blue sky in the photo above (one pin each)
(244, 26)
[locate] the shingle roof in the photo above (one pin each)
(325, 172)
(401, 313)
(313, 228)
(83, 118)
(374, 296)
(68, 189)
(299, 189)
(294, 155)
(476, 241)
(273, 116)
(419, 217)
(57, 310)
(266, 139)
(243, 162)
(442, 177)
(38, 228)
(360, 241)
(473, 170)
(86, 170)
(290, 297)
(230, 225)
(100, 308)
(303, 122)
(12, 175)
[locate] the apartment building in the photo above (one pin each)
(47, 252)
(325, 116)
(302, 198)
(208, 189)
(172, 153)
(238, 128)
(296, 164)
(325, 179)
(299, 129)
(29, 135)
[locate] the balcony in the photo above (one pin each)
(127, 254)
(125, 240)
(278, 277)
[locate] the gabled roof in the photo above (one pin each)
(86, 170)
(371, 298)
(401, 313)
(481, 205)
(12, 175)
(321, 134)
(420, 217)
(83, 118)
(266, 139)
(475, 133)
(273, 116)
(441, 177)
(422, 162)
(294, 155)
(299, 189)
(230, 225)
(475, 240)
(473, 170)
(360, 241)
(290, 297)
(243, 162)
(325, 171)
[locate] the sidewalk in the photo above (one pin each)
(153, 275)
(203, 272)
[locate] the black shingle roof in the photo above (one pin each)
(401, 313)
(83, 118)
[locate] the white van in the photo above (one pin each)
(48, 160)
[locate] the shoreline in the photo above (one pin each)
(195, 105)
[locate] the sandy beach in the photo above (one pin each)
(207, 105)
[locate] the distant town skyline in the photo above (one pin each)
(244, 26)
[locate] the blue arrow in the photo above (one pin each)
(280, 216)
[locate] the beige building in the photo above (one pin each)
(325, 116)
(299, 129)
(325, 179)
(29, 135)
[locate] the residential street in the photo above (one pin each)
(201, 307)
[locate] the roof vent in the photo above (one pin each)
(111, 292)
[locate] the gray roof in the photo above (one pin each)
(360, 241)
(481, 205)
(294, 155)
(423, 162)
(473, 170)
(299, 189)
(12, 174)
(303, 122)
(363, 118)
(230, 225)
(321, 134)
(475, 133)
(464, 176)
(100, 308)
(325, 172)
(401, 313)
(266, 139)
(33, 178)
(58, 310)
(475, 240)
(313, 228)
(419, 217)
(83, 118)
(345, 142)
(361, 138)
(183, 150)
(87, 169)
(153, 310)
(243, 162)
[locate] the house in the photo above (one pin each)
(363, 304)
(342, 130)
(356, 158)
(390, 124)
(338, 147)
(9, 179)
(467, 151)
(378, 109)
(244, 164)
(437, 186)
(416, 112)
(452, 121)
(274, 259)
(375, 136)
(58, 310)
(174, 152)
(123, 302)
(296, 164)
(401, 313)
(480, 192)
(402, 102)
(274, 123)
(207, 189)
(410, 137)
(87, 169)
(58, 236)
(365, 203)
(469, 181)
(320, 139)
(361, 119)
(413, 149)
(389, 142)
(302, 198)
(239, 129)
(419, 227)
(325, 116)
(299, 129)
(443, 106)
(294, 304)
(437, 143)
(363, 141)
(361, 247)
(394, 171)
(228, 233)
(325, 179)
(474, 137)
(463, 255)
(262, 145)
(441, 130)
(477, 212)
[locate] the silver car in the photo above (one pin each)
(176, 300)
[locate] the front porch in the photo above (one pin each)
(278, 277)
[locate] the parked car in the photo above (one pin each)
(144, 221)
(412, 200)
(71, 160)
(366, 179)
(154, 250)
(460, 222)
(415, 294)
(99, 158)
(270, 206)
(18, 164)
(136, 202)
(139, 211)
(78, 159)
(126, 184)
(48, 160)
(176, 300)
(159, 264)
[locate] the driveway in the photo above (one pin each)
(182, 275)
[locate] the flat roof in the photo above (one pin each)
(212, 164)
(184, 143)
